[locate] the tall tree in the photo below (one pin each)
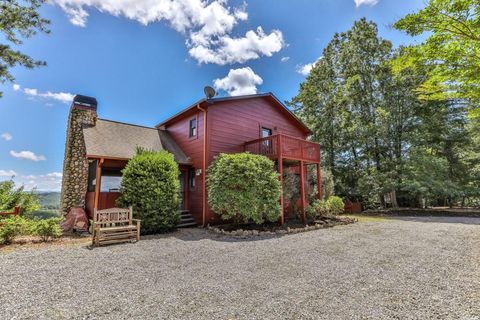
(18, 20)
(379, 140)
(319, 98)
(452, 49)
(359, 111)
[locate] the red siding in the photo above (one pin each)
(232, 123)
(193, 148)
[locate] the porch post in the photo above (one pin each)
(280, 171)
(302, 190)
(98, 181)
(319, 181)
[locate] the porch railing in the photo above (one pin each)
(284, 146)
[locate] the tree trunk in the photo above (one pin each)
(393, 197)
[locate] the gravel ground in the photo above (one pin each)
(402, 268)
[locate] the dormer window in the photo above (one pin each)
(193, 127)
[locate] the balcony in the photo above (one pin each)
(281, 146)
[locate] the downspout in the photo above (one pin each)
(204, 166)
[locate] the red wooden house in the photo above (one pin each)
(97, 149)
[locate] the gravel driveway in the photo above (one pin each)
(402, 268)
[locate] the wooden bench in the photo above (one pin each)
(15, 212)
(114, 225)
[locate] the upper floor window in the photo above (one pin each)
(193, 127)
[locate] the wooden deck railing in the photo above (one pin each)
(287, 147)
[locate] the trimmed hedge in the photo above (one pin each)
(244, 187)
(151, 186)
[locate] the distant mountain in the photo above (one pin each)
(49, 200)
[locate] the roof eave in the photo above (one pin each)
(259, 95)
(95, 156)
(192, 106)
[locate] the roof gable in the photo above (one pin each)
(272, 98)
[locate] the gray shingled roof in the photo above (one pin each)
(120, 140)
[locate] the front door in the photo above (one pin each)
(266, 144)
(182, 177)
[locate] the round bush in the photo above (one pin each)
(316, 209)
(244, 187)
(335, 205)
(151, 186)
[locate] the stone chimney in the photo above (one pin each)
(83, 113)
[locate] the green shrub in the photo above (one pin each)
(333, 205)
(12, 227)
(46, 229)
(151, 186)
(317, 209)
(244, 188)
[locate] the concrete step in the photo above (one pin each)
(186, 220)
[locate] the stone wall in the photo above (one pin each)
(75, 165)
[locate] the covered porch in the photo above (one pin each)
(286, 150)
(104, 180)
(109, 145)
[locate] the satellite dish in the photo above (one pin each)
(209, 92)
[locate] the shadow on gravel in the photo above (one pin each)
(437, 219)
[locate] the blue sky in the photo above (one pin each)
(146, 59)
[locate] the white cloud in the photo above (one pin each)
(45, 182)
(16, 87)
(28, 155)
(284, 59)
(7, 173)
(359, 3)
(54, 175)
(63, 97)
(6, 136)
(304, 69)
(229, 50)
(239, 82)
(207, 25)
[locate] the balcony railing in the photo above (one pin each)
(286, 147)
